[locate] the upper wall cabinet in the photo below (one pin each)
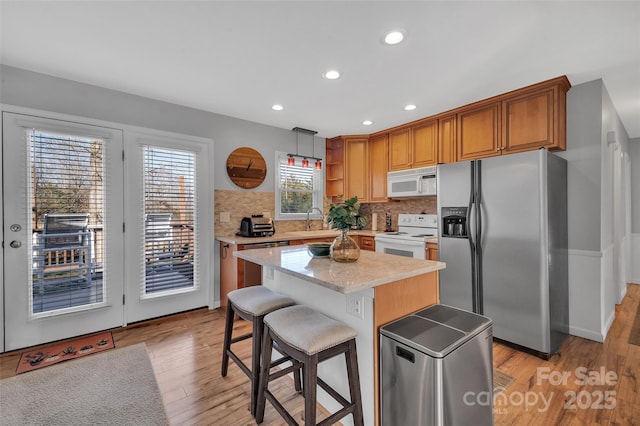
(357, 166)
(347, 173)
(378, 167)
(447, 137)
(414, 146)
(536, 117)
(334, 168)
(356, 162)
(525, 119)
(479, 131)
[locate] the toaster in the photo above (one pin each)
(256, 226)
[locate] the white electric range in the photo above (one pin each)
(411, 238)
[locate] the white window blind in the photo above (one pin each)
(298, 189)
(169, 222)
(67, 220)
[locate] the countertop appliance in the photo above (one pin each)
(256, 226)
(437, 369)
(411, 238)
(503, 236)
(420, 182)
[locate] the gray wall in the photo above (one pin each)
(590, 116)
(583, 154)
(33, 90)
(634, 151)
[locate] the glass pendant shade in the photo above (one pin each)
(291, 161)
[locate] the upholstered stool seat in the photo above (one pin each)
(309, 337)
(250, 304)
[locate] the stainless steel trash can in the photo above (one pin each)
(437, 369)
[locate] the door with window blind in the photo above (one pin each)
(63, 215)
(168, 232)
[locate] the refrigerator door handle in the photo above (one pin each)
(472, 240)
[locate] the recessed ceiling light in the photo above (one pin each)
(409, 107)
(331, 75)
(394, 37)
(277, 107)
(367, 122)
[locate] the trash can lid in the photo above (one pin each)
(465, 321)
(426, 336)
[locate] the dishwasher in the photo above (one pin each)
(437, 369)
(253, 271)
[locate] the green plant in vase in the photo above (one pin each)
(342, 216)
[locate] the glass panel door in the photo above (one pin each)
(170, 228)
(169, 235)
(63, 203)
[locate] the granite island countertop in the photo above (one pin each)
(370, 270)
(299, 235)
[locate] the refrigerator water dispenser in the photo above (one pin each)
(454, 222)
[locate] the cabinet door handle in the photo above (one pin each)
(225, 248)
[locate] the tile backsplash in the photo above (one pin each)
(241, 204)
(426, 205)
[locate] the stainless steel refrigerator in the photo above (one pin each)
(503, 236)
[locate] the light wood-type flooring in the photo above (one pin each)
(185, 351)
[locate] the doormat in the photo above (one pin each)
(501, 380)
(64, 351)
(634, 337)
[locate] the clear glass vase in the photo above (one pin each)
(344, 248)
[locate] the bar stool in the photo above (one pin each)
(309, 337)
(251, 304)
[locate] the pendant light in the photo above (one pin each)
(291, 161)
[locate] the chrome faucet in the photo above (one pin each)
(308, 227)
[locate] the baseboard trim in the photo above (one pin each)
(585, 253)
(586, 334)
(608, 325)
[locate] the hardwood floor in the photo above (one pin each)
(185, 353)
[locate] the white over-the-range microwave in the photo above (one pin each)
(419, 182)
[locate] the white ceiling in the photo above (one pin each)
(239, 58)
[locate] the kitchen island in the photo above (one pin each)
(366, 294)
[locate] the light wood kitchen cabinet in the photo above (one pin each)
(447, 138)
(535, 117)
(414, 146)
(347, 172)
(424, 140)
(399, 145)
(479, 131)
(312, 240)
(432, 251)
(235, 273)
(356, 168)
(334, 163)
(378, 167)
(366, 242)
(521, 120)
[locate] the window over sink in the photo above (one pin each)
(298, 189)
